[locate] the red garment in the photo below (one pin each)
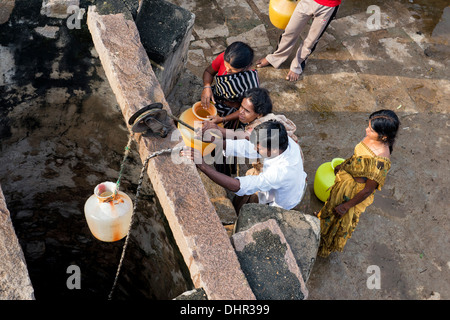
(219, 65)
(329, 3)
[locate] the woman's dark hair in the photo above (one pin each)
(239, 55)
(386, 124)
(260, 98)
(270, 134)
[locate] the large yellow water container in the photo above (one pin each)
(190, 116)
(280, 12)
(324, 178)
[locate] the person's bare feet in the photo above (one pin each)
(261, 63)
(292, 76)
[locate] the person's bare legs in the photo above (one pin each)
(320, 22)
(300, 17)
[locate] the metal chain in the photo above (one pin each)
(141, 178)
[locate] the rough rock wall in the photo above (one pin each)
(15, 283)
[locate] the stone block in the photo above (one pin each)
(195, 294)
(128, 8)
(7, 65)
(165, 30)
(50, 32)
(6, 7)
(58, 8)
(15, 283)
(301, 231)
(268, 263)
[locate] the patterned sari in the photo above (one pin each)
(336, 231)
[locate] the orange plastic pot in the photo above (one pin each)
(202, 113)
(190, 118)
(280, 12)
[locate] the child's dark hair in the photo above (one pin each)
(270, 134)
(260, 98)
(386, 124)
(239, 55)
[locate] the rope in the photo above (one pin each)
(141, 178)
(122, 166)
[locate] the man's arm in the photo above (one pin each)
(221, 179)
(242, 148)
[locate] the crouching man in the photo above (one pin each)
(281, 183)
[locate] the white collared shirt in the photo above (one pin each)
(282, 180)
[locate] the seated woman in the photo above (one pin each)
(232, 75)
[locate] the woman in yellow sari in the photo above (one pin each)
(357, 179)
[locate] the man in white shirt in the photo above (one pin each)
(282, 180)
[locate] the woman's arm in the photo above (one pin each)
(343, 208)
(208, 78)
(218, 119)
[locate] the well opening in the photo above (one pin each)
(62, 134)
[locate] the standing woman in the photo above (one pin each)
(357, 178)
(233, 76)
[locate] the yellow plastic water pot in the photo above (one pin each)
(190, 117)
(324, 178)
(280, 12)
